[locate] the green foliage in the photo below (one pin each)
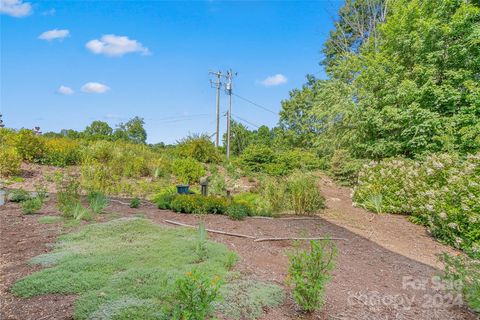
(134, 203)
(462, 275)
(126, 269)
(194, 295)
(238, 211)
(188, 170)
(10, 161)
(198, 204)
(201, 248)
(199, 148)
(98, 202)
(344, 168)
(98, 130)
(132, 131)
(247, 299)
(165, 197)
(49, 219)
(217, 185)
(61, 152)
(258, 205)
(29, 146)
(442, 192)
(18, 195)
(255, 157)
(302, 194)
(31, 206)
(68, 195)
(308, 272)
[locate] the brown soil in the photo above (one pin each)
(384, 269)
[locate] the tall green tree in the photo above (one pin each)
(132, 131)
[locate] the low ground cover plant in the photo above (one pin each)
(309, 272)
(134, 203)
(441, 192)
(31, 206)
(18, 195)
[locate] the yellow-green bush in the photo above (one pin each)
(29, 146)
(199, 148)
(10, 161)
(188, 170)
(61, 152)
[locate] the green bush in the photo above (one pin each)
(194, 296)
(256, 203)
(238, 211)
(217, 185)
(10, 161)
(184, 203)
(32, 205)
(134, 203)
(344, 168)
(198, 204)
(462, 275)
(256, 157)
(441, 192)
(61, 152)
(29, 146)
(309, 272)
(18, 195)
(68, 194)
(165, 197)
(188, 170)
(302, 193)
(199, 148)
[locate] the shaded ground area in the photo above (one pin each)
(370, 281)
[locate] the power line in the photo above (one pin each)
(246, 121)
(255, 104)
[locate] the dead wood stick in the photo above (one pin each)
(211, 230)
(295, 238)
(287, 218)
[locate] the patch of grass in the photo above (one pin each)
(32, 205)
(246, 299)
(50, 219)
(125, 268)
(98, 202)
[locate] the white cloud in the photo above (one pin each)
(64, 90)
(50, 12)
(275, 80)
(54, 34)
(95, 87)
(115, 46)
(15, 8)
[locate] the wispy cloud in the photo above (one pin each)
(275, 80)
(95, 87)
(15, 8)
(50, 12)
(64, 90)
(54, 34)
(116, 46)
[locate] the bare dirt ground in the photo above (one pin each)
(384, 268)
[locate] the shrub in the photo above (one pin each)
(165, 197)
(68, 194)
(238, 211)
(29, 146)
(199, 148)
(273, 191)
(462, 275)
(18, 195)
(79, 212)
(308, 272)
(194, 296)
(256, 203)
(188, 170)
(442, 192)
(184, 203)
(217, 185)
(10, 161)
(98, 202)
(344, 168)
(135, 203)
(198, 204)
(61, 152)
(32, 205)
(255, 157)
(302, 194)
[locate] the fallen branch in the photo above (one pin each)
(287, 218)
(295, 238)
(211, 230)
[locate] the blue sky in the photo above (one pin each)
(67, 63)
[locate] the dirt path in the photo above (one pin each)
(386, 277)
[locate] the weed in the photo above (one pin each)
(98, 202)
(32, 205)
(134, 203)
(18, 195)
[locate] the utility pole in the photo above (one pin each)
(228, 88)
(218, 85)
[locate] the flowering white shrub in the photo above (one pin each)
(442, 192)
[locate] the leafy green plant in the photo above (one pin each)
(195, 294)
(344, 168)
(29, 146)
(309, 272)
(199, 148)
(217, 185)
(10, 161)
(79, 212)
(68, 194)
(201, 245)
(188, 170)
(98, 202)
(32, 205)
(302, 193)
(198, 204)
(462, 275)
(238, 211)
(134, 203)
(18, 195)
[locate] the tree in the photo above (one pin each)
(98, 130)
(132, 131)
(240, 138)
